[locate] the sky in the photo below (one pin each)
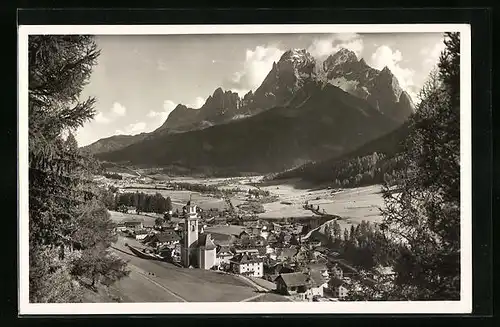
(139, 79)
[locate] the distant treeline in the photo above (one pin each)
(258, 192)
(350, 172)
(214, 172)
(142, 202)
(203, 188)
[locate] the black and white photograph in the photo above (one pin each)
(297, 168)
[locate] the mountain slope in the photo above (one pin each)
(113, 143)
(284, 83)
(368, 164)
(321, 120)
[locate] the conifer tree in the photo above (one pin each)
(61, 190)
(425, 214)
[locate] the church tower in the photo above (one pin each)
(190, 237)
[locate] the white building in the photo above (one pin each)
(304, 286)
(338, 287)
(197, 250)
(223, 257)
(248, 265)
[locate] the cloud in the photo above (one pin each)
(161, 65)
(136, 127)
(101, 118)
(322, 47)
(241, 92)
(118, 109)
(132, 129)
(432, 54)
(385, 56)
(198, 102)
(258, 63)
(168, 106)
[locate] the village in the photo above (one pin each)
(290, 257)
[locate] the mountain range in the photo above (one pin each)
(303, 111)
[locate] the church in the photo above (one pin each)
(197, 250)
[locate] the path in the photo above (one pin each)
(140, 272)
(253, 297)
(254, 285)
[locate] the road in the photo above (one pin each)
(157, 281)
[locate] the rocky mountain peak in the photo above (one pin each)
(386, 71)
(340, 57)
(218, 92)
(300, 59)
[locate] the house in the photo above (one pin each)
(249, 251)
(275, 227)
(338, 287)
(284, 238)
(247, 264)
(223, 256)
(297, 229)
(347, 269)
(120, 227)
(302, 254)
(272, 239)
(167, 237)
(264, 234)
(277, 268)
(321, 267)
(259, 241)
(337, 271)
(170, 225)
(303, 285)
(148, 224)
(383, 273)
(133, 224)
(141, 234)
(283, 254)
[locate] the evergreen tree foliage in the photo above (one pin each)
(65, 208)
(424, 211)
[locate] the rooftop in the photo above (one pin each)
(243, 258)
(166, 236)
(336, 282)
(205, 240)
(295, 279)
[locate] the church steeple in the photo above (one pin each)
(190, 232)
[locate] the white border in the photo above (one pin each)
(434, 307)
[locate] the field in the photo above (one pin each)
(156, 281)
(352, 205)
(270, 297)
